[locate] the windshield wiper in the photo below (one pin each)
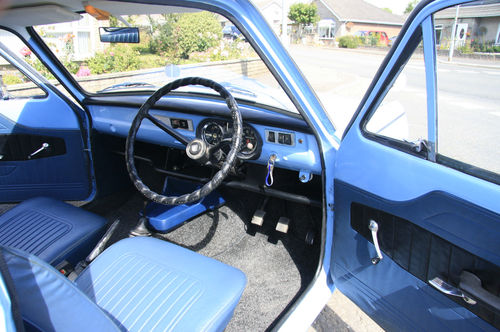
(127, 85)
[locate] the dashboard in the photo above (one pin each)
(265, 132)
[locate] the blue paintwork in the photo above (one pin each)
(164, 218)
(116, 120)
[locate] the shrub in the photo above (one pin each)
(117, 58)
(195, 32)
(348, 42)
(39, 67)
(10, 79)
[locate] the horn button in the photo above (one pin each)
(197, 150)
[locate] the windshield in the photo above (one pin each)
(173, 44)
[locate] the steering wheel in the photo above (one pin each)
(196, 149)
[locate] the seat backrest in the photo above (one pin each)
(48, 300)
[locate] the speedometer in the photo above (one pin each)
(212, 133)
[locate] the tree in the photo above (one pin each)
(410, 6)
(303, 14)
(387, 10)
(196, 32)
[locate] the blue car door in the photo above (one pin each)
(43, 135)
(417, 208)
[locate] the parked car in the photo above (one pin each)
(231, 32)
(381, 35)
(229, 202)
(391, 41)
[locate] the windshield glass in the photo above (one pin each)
(173, 44)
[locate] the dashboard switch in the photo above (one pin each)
(281, 138)
(287, 139)
(271, 137)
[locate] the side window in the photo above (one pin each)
(14, 84)
(402, 114)
(467, 90)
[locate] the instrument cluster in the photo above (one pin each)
(214, 131)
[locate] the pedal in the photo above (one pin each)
(282, 225)
(258, 217)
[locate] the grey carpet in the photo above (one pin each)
(277, 267)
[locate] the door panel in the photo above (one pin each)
(61, 170)
(433, 220)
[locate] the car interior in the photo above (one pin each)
(153, 205)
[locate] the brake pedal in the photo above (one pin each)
(282, 225)
(259, 214)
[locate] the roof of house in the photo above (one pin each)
(465, 11)
(361, 11)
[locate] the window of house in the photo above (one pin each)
(497, 39)
(438, 29)
(326, 29)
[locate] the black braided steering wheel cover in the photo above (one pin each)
(226, 166)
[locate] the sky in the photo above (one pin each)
(397, 6)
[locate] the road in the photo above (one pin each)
(469, 117)
(468, 98)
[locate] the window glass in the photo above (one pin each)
(173, 45)
(402, 114)
(17, 46)
(468, 88)
(14, 84)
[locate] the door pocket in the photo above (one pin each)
(426, 256)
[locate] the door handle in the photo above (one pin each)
(373, 227)
(448, 289)
(471, 283)
(44, 146)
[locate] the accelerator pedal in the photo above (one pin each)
(282, 225)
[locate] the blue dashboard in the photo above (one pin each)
(266, 132)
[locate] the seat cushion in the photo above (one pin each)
(48, 301)
(146, 284)
(51, 229)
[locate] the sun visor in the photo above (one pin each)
(131, 8)
(37, 15)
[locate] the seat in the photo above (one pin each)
(138, 284)
(51, 229)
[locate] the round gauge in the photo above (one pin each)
(212, 133)
(250, 142)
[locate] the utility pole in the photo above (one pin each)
(453, 33)
(284, 26)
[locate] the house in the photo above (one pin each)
(273, 12)
(479, 23)
(347, 17)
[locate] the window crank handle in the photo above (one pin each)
(44, 146)
(373, 227)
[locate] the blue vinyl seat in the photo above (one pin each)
(51, 229)
(138, 284)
